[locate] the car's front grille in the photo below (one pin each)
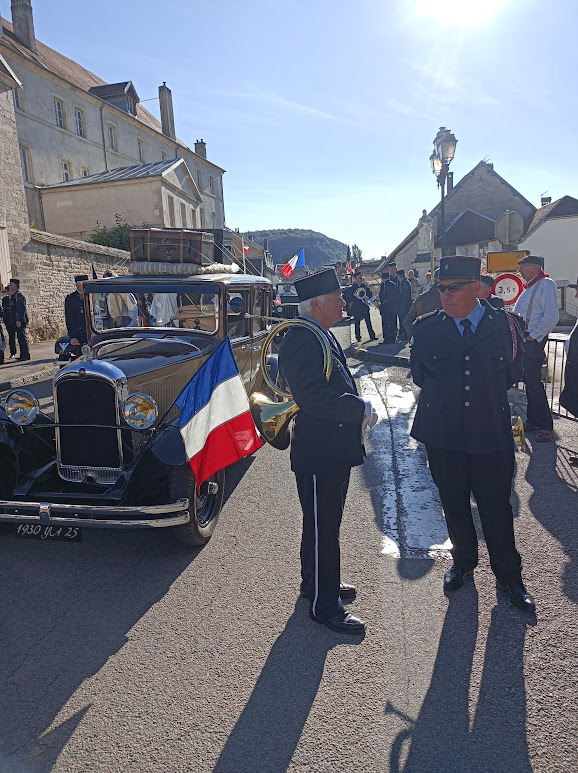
(88, 450)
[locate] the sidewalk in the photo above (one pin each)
(40, 366)
(388, 354)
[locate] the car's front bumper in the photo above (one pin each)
(95, 517)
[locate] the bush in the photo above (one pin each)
(118, 236)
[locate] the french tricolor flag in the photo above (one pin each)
(216, 424)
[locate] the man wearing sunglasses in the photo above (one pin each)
(464, 358)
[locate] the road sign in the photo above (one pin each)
(509, 227)
(508, 287)
(504, 261)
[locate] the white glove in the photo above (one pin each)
(369, 418)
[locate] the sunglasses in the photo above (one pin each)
(455, 287)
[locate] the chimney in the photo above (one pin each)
(266, 245)
(23, 23)
(201, 148)
(450, 182)
(546, 200)
(167, 115)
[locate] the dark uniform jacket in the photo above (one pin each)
(569, 396)
(463, 405)
(326, 435)
(423, 304)
(388, 296)
(496, 301)
(14, 310)
(358, 307)
(404, 294)
(74, 315)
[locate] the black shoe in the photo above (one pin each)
(23, 359)
(343, 622)
(346, 591)
(519, 596)
(373, 338)
(454, 579)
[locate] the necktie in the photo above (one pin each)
(468, 335)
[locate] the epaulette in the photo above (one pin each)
(425, 316)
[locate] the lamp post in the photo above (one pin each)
(441, 158)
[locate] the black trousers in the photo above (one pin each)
(322, 500)
(358, 315)
(538, 412)
(389, 327)
(402, 314)
(489, 478)
(20, 334)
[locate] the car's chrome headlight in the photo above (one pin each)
(21, 407)
(140, 411)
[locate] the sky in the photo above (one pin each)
(323, 112)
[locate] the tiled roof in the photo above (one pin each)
(154, 169)
(567, 206)
(71, 71)
(111, 89)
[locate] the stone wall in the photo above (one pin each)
(13, 211)
(47, 265)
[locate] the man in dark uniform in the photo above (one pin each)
(486, 292)
(74, 314)
(464, 358)
(16, 320)
(404, 303)
(359, 308)
(423, 304)
(326, 442)
(388, 300)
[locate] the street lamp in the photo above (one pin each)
(441, 158)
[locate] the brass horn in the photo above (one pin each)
(272, 419)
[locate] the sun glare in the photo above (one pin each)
(459, 13)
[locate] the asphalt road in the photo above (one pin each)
(128, 652)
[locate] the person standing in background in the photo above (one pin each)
(404, 303)
(388, 301)
(415, 284)
(16, 320)
(538, 305)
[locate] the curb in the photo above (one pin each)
(38, 375)
(386, 359)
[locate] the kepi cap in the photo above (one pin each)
(392, 264)
(321, 283)
(460, 267)
(81, 278)
(15, 282)
(534, 259)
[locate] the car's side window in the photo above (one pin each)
(237, 323)
(259, 311)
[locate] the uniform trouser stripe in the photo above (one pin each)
(315, 519)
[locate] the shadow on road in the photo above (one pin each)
(442, 739)
(267, 732)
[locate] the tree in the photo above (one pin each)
(356, 254)
(118, 236)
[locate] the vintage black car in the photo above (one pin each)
(112, 455)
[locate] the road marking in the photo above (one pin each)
(412, 518)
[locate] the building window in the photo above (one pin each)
(199, 179)
(17, 99)
(163, 155)
(202, 218)
(24, 163)
(214, 220)
(79, 120)
(193, 218)
(141, 153)
(183, 216)
(130, 105)
(111, 137)
(59, 113)
(65, 167)
(171, 203)
(211, 185)
(84, 172)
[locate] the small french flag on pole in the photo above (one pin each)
(216, 424)
(296, 260)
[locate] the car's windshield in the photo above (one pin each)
(194, 308)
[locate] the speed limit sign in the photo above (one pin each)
(508, 287)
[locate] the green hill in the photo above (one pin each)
(284, 243)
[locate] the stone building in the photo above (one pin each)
(72, 125)
(472, 208)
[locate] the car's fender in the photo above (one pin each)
(168, 446)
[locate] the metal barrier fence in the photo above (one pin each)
(556, 363)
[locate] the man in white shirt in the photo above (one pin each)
(538, 305)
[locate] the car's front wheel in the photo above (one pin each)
(204, 505)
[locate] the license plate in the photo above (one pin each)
(38, 531)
